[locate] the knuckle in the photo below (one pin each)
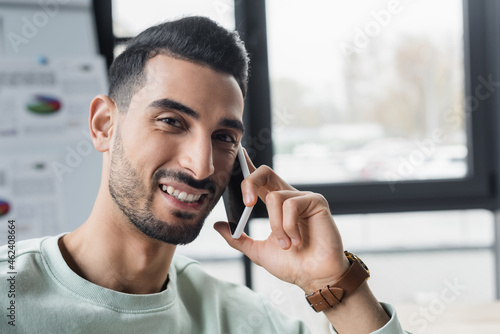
(265, 170)
(320, 198)
(322, 201)
(273, 198)
(246, 182)
(291, 203)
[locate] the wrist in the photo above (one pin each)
(359, 313)
(335, 292)
(319, 283)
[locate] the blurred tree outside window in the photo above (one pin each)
(367, 90)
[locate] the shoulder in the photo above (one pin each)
(23, 255)
(21, 248)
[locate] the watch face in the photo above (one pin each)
(353, 257)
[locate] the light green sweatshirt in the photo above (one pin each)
(41, 294)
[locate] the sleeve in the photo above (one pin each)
(392, 327)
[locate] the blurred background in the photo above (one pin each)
(388, 108)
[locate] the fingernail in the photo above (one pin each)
(247, 198)
(295, 242)
(283, 243)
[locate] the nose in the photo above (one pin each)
(197, 157)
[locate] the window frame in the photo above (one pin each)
(478, 190)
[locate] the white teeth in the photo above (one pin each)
(170, 189)
(180, 195)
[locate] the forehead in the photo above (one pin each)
(196, 86)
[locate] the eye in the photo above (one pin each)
(171, 121)
(225, 138)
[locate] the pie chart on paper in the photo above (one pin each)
(43, 105)
(4, 207)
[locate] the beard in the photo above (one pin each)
(136, 201)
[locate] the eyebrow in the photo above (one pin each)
(233, 124)
(171, 104)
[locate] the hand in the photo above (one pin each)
(304, 247)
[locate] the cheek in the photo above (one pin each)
(146, 145)
(152, 152)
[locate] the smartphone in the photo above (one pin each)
(236, 211)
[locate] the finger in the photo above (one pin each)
(244, 244)
(248, 196)
(286, 231)
(262, 181)
(251, 166)
(308, 205)
(274, 206)
(299, 208)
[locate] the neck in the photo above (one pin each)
(108, 251)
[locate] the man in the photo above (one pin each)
(169, 133)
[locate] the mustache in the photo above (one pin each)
(205, 184)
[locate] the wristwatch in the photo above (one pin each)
(331, 295)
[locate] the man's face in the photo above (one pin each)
(174, 148)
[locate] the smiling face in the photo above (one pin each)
(173, 150)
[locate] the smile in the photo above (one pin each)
(180, 195)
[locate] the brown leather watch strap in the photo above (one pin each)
(333, 294)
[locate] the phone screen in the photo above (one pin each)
(236, 211)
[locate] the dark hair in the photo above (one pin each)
(196, 38)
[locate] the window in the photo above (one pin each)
(363, 91)
(375, 162)
(130, 17)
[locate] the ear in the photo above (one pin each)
(101, 121)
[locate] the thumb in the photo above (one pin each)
(244, 244)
